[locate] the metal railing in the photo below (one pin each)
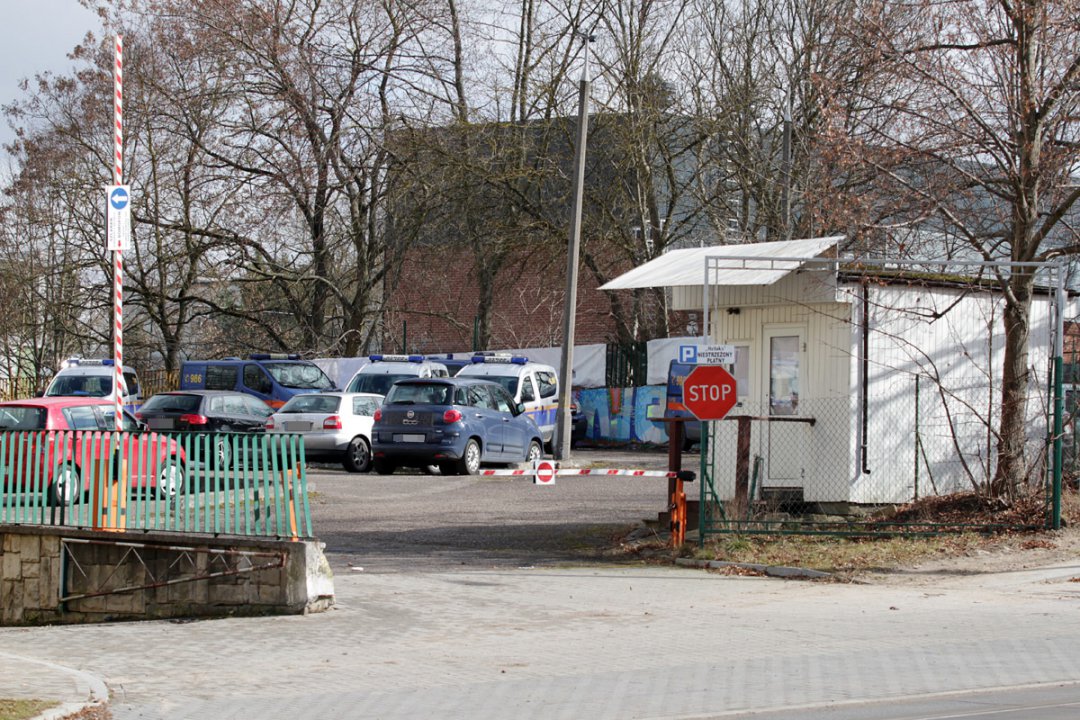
(204, 483)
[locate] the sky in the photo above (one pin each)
(37, 35)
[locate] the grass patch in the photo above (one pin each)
(11, 709)
(846, 557)
(839, 555)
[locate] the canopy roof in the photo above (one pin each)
(754, 264)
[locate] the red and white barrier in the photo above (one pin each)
(544, 472)
(118, 256)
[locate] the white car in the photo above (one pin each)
(335, 426)
(82, 377)
(382, 371)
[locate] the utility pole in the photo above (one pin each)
(566, 364)
(785, 197)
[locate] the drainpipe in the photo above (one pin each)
(864, 379)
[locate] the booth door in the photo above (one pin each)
(785, 442)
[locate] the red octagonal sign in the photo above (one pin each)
(709, 392)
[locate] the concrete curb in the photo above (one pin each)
(93, 687)
(770, 570)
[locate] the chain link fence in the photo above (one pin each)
(917, 457)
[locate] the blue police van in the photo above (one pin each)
(273, 378)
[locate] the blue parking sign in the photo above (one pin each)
(688, 353)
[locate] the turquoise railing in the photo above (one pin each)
(210, 483)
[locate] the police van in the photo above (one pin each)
(534, 385)
(272, 377)
(382, 371)
(82, 377)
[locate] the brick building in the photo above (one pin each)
(486, 260)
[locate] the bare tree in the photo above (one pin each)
(969, 109)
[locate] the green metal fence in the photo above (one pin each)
(627, 365)
(208, 483)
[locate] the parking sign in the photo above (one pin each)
(707, 354)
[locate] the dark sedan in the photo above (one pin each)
(454, 423)
(206, 411)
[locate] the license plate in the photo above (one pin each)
(297, 426)
(409, 438)
(160, 423)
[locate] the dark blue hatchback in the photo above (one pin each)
(454, 423)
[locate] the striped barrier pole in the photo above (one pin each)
(545, 472)
(118, 256)
(567, 472)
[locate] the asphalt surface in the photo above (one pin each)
(413, 523)
(456, 598)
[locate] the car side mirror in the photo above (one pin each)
(520, 408)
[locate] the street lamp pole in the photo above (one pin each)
(563, 428)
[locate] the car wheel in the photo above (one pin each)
(384, 467)
(535, 452)
(469, 464)
(223, 451)
(358, 455)
(66, 485)
(687, 443)
(170, 479)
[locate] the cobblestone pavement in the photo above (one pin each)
(579, 642)
(492, 637)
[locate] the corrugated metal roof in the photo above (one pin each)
(756, 264)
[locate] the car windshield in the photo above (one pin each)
(375, 382)
(171, 403)
(88, 385)
(312, 404)
(420, 393)
(299, 375)
(17, 417)
(507, 381)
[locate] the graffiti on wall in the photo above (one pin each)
(623, 414)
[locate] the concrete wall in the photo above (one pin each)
(154, 576)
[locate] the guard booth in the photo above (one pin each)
(855, 387)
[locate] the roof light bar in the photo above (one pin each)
(396, 358)
(273, 356)
(500, 358)
(77, 362)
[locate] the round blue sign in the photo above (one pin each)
(118, 198)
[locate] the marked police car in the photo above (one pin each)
(82, 377)
(534, 385)
(382, 371)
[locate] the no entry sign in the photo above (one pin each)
(545, 473)
(709, 392)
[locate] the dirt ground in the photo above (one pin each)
(1006, 553)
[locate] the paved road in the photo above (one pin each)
(452, 627)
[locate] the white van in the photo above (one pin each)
(534, 385)
(382, 371)
(81, 377)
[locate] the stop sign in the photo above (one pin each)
(709, 392)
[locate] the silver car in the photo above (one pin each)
(336, 426)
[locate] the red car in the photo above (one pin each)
(32, 448)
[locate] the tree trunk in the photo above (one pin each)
(1011, 467)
